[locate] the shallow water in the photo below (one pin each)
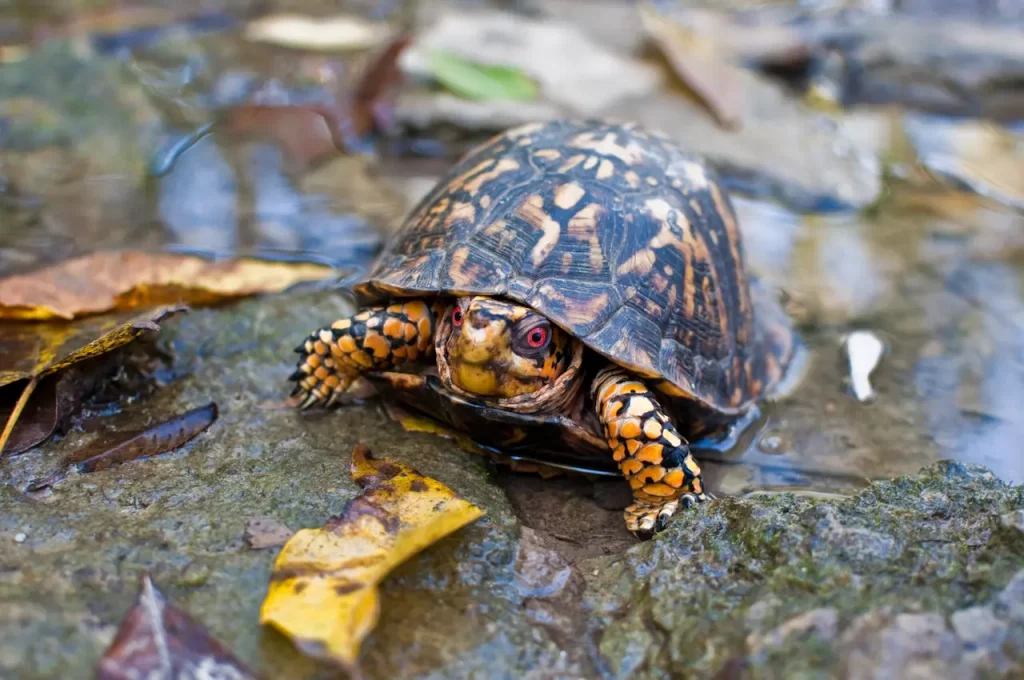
(933, 271)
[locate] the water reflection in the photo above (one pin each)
(243, 201)
(951, 311)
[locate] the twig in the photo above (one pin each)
(18, 408)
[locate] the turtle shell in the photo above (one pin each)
(614, 233)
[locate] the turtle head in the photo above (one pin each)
(500, 349)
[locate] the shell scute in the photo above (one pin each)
(613, 232)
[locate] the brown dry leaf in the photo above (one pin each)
(323, 589)
(122, 280)
(699, 64)
(34, 353)
(125, 446)
(309, 134)
(158, 640)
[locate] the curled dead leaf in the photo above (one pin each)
(323, 589)
(125, 446)
(309, 134)
(35, 353)
(158, 640)
(121, 280)
(699, 64)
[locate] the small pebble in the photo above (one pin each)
(20, 537)
(772, 444)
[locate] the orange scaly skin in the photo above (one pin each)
(651, 454)
(375, 338)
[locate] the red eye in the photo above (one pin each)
(538, 337)
(457, 316)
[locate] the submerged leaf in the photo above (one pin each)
(125, 446)
(157, 640)
(105, 281)
(38, 351)
(699, 65)
(323, 590)
(480, 81)
(308, 134)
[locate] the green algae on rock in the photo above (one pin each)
(784, 586)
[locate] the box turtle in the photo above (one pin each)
(573, 292)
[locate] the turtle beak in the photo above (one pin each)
(480, 340)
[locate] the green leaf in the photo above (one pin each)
(479, 81)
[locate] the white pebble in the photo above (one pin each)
(20, 537)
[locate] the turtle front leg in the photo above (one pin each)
(650, 452)
(375, 338)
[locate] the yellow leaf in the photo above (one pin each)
(124, 280)
(39, 349)
(323, 589)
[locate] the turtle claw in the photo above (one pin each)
(645, 518)
(309, 401)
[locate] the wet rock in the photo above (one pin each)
(941, 64)
(1014, 520)
(879, 585)
(879, 644)
(574, 72)
(952, 67)
(821, 623)
(783, 151)
(182, 516)
(976, 155)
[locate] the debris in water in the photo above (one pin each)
(161, 438)
(864, 350)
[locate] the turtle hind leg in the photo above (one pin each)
(653, 457)
(375, 338)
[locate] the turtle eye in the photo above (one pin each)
(537, 337)
(457, 316)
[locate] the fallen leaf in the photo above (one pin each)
(323, 589)
(305, 134)
(308, 134)
(698, 63)
(482, 82)
(337, 33)
(158, 640)
(121, 280)
(27, 420)
(124, 446)
(371, 105)
(266, 532)
(31, 353)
